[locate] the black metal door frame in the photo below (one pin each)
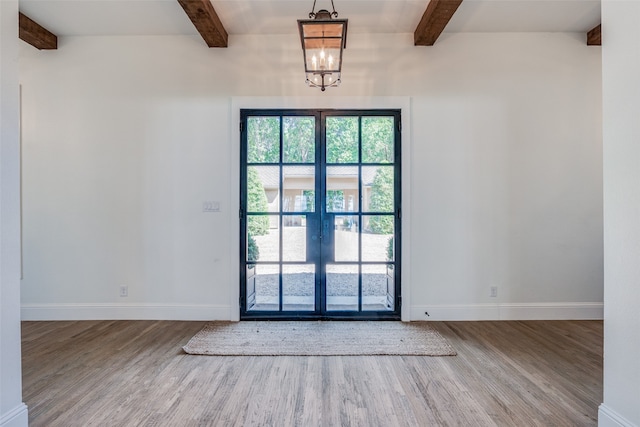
(320, 223)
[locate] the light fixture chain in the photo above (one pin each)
(312, 14)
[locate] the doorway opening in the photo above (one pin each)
(320, 215)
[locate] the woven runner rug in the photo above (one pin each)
(314, 338)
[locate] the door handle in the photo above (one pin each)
(323, 231)
(325, 228)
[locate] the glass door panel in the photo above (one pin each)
(377, 240)
(263, 279)
(299, 188)
(342, 136)
(378, 139)
(375, 287)
(342, 287)
(263, 238)
(378, 188)
(299, 139)
(298, 287)
(263, 139)
(342, 189)
(345, 238)
(263, 187)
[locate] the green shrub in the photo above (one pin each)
(256, 202)
(382, 201)
(253, 252)
(390, 249)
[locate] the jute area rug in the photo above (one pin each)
(315, 338)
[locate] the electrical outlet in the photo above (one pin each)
(124, 291)
(493, 293)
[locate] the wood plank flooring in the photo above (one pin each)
(134, 373)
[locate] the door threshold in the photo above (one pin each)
(306, 317)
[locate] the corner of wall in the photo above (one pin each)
(17, 417)
(607, 417)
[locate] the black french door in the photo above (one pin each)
(320, 214)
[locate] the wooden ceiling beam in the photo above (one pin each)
(206, 21)
(35, 34)
(594, 37)
(434, 20)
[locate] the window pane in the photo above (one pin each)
(263, 288)
(298, 287)
(346, 238)
(377, 188)
(263, 139)
(342, 139)
(342, 189)
(342, 287)
(377, 238)
(377, 139)
(263, 238)
(309, 200)
(294, 239)
(299, 184)
(263, 184)
(377, 287)
(298, 137)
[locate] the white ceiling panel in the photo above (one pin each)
(109, 17)
(166, 17)
(525, 16)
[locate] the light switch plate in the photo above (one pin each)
(210, 206)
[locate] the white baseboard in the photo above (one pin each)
(471, 312)
(124, 312)
(455, 312)
(510, 311)
(17, 417)
(607, 417)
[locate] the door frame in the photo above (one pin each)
(322, 248)
(339, 103)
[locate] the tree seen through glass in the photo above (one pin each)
(377, 139)
(382, 201)
(298, 139)
(263, 138)
(342, 139)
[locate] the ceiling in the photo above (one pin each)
(166, 17)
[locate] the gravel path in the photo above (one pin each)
(294, 248)
(342, 280)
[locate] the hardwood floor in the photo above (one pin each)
(134, 373)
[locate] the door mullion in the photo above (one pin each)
(360, 214)
(280, 218)
(321, 300)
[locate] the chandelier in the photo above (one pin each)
(323, 40)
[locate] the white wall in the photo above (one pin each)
(621, 128)
(13, 413)
(125, 137)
